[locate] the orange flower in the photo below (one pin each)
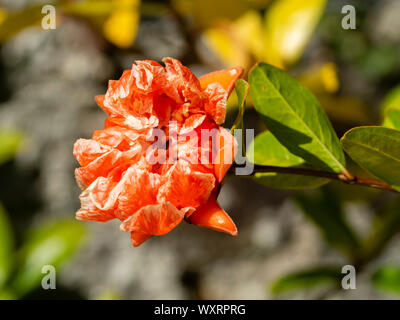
(149, 167)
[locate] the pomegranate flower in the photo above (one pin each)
(148, 167)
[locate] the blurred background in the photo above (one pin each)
(291, 244)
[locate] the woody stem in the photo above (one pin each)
(343, 177)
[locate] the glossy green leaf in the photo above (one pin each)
(324, 209)
(392, 119)
(308, 279)
(10, 141)
(387, 278)
(295, 118)
(6, 246)
(377, 150)
(266, 150)
(53, 245)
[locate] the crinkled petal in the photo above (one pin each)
(106, 191)
(118, 90)
(162, 107)
(186, 187)
(86, 151)
(104, 164)
(152, 220)
(140, 189)
(89, 211)
(117, 137)
(216, 102)
(182, 86)
(148, 75)
(192, 122)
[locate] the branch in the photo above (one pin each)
(343, 177)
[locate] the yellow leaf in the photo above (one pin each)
(249, 29)
(3, 15)
(228, 49)
(122, 25)
(288, 27)
(236, 42)
(321, 78)
(89, 8)
(206, 12)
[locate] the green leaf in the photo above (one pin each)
(391, 101)
(377, 150)
(295, 118)
(10, 141)
(52, 244)
(242, 90)
(324, 209)
(266, 150)
(6, 246)
(308, 279)
(392, 119)
(7, 295)
(387, 278)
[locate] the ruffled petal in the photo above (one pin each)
(192, 122)
(186, 187)
(152, 220)
(105, 163)
(140, 189)
(89, 211)
(182, 86)
(117, 137)
(86, 151)
(149, 75)
(216, 102)
(118, 90)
